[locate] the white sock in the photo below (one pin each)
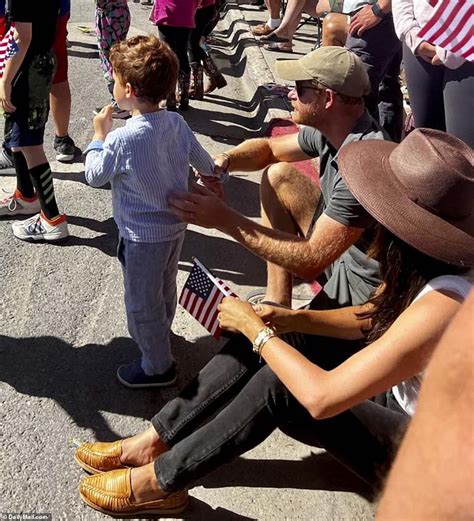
(273, 23)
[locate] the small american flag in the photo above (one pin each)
(8, 48)
(201, 295)
(451, 27)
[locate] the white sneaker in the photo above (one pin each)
(38, 228)
(13, 204)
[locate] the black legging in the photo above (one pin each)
(202, 19)
(178, 39)
(441, 98)
(215, 19)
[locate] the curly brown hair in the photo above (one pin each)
(148, 64)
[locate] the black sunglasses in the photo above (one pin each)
(301, 88)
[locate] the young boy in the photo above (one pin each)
(24, 98)
(145, 161)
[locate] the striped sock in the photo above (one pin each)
(23, 179)
(43, 181)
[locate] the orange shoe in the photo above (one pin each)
(111, 493)
(100, 457)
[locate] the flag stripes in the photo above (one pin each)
(451, 27)
(201, 295)
(8, 48)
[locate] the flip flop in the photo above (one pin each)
(279, 47)
(274, 38)
(277, 89)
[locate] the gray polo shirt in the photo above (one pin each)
(350, 6)
(353, 277)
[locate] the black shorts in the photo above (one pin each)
(30, 96)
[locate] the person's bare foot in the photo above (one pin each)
(142, 449)
(144, 484)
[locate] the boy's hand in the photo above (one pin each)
(103, 123)
(5, 96)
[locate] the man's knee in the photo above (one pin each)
(280, 178)
(335, 29)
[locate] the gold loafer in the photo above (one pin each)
(111, 493)
(100, 457)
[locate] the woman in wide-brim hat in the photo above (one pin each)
(421, 193)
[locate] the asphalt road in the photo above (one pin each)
(63, 329)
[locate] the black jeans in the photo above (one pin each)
(202, 19)
(235, 403)
(381, 51)
(178, 39)
(441, 98)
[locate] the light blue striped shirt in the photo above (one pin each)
(145, 161)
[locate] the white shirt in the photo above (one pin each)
(406, 393)
(409, 16)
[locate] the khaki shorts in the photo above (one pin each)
(336, 6)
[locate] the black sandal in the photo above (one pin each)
(274, 38)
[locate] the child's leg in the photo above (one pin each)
(169, 280)
(24, 184)
(111, 27)
(40, 172)
(143, 265)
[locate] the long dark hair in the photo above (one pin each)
(404, 271)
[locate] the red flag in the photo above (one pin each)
(451, 27)
(8, 48)
(201, 295)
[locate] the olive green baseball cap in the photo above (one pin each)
(334, 67)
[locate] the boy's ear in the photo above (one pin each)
(129, 91)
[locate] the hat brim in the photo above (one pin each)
(291, 70)
(365, 168)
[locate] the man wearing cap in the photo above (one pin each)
(304, 232)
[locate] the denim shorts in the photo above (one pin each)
(30, 96)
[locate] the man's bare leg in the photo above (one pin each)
(335, 29)
(294, 10)
(274, 7)
(288, 202)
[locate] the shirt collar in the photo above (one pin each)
(366, 123)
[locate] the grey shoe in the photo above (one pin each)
(6, 163)
(65, 148)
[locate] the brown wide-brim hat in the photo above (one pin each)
(422, 190)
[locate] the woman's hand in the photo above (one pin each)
(239, 316)
(426, 51)
(279, 318)
(5, 96)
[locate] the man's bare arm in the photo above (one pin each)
(306, 258)
(255, 154)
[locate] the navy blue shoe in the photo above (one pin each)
(133, 376)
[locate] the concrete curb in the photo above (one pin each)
(258, 72)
